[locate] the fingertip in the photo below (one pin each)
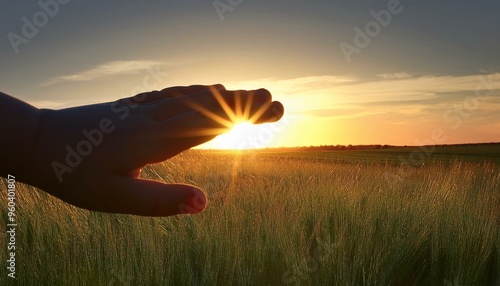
(129, 195)
(263, 95)
(273, 113)
(195, 202)
(278, 110)
(219, 87)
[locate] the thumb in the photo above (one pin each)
(151, 198)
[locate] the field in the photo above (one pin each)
(404, 216)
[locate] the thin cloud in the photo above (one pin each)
(399, 75)
(295, 85)
(345, 113)
(342, 97)
(103, 70)
(399, 87)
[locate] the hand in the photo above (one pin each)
(91, 156)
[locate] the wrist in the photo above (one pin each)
(18, 132)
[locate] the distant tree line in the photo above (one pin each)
(371, 147)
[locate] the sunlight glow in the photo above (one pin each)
(238, 118)
(237, 138)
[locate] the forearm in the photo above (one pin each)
(18, 134)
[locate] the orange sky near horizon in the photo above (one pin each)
(349, 119)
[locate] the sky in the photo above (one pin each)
(348, 72)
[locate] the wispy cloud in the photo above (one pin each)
(103, 70)
(296, 85)
(399, 75)
(335, 90)
(397, 95)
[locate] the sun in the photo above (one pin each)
(240, 119)
(239, 137)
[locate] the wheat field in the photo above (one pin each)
(276, 220)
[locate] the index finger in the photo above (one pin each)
(170, 92)
(234, 104)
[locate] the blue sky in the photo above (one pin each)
(430, 58)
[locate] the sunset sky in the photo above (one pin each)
(424, 73)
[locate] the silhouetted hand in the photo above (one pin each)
(91, 156)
